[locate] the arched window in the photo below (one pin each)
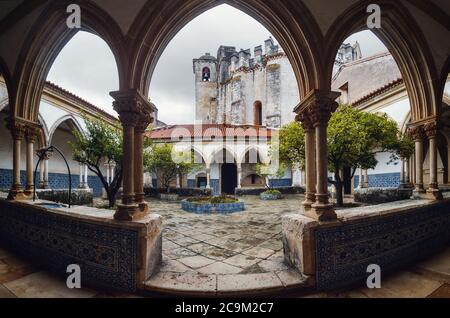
(257, 113)
(206, 74)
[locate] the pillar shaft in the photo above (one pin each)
(17, 130)
(135, 113)
(433, 192)
(239, 176)
(315, 110)
(418, 135)
(310, 168)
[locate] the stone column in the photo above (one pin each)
(208, 177)
(46, 184)
(317, 106)
(239, 175)
(407, 173)
(133, 109)
(31, 136)
(81, 182)
(418, 135)
(431, 130)
(310, 157)
(366, 179)
(17, 130)
(144, 121)
(360, 179)
(402, 173)
(86, 184)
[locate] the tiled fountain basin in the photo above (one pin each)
(270, 196)
(220, 208)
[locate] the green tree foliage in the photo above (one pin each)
(354, 138)
(167, 163)
(291, 145)
(101, 143)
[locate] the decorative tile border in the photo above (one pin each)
(221, 208)
(343, 252)
(107, 254)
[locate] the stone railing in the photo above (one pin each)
(390, 235)
(114, 255)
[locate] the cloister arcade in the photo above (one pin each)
(137, 32)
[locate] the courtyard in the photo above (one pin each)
(241, 251)
(229, 255)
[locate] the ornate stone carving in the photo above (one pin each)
(431, 129)
(417, 133)
(17, 128)
(32, 133)
(133, 108)
(316, 108)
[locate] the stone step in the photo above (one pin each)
(193, 283)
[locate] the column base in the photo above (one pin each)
(406, 186)
(17, 194)
(29, 191)
(310, 198)
(322, 212)
(128, 212)
(418, 192)
(433, 194)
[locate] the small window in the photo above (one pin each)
(257, 113)
(206, 74)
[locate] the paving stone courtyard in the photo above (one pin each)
(217, 249)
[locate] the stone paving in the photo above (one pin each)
(215, 252)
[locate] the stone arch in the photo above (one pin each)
(44, 132)
(289, 21)
(4, 72)
(223, 149)
(50, 28)
(66, 118)
(411, 53)
(263, 156)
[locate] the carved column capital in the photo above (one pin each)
(134, 109)
(316, 108)
(32, 134)
(17, 128)
(431, 129)
(46, 155)
(417, 133)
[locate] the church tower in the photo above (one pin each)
(205, 70)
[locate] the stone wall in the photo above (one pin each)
(112, 255)
(56, 181)
(381, 195)
(390, 235)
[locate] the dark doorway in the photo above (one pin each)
(201, 182)
(229, 178)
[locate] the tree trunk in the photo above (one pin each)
(339, 186)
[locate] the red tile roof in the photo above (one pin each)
(209, 131)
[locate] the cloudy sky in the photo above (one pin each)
(87, 67)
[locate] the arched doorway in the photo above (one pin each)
(228, 178)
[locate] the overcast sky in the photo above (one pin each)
(87, 67)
